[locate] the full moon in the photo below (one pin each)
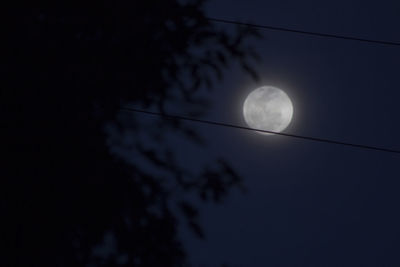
(268, 108)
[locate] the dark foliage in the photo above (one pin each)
(68, 69)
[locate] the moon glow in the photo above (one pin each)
(268, 108)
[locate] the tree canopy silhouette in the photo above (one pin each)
(78, 173)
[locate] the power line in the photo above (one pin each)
(319, 34)
(167, 116)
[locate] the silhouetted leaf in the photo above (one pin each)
(80, 171)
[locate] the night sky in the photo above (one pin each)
(70, 199)
(308, 203)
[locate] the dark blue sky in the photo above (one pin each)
(306, 203)
(309, 204)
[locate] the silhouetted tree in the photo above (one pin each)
(76, 171)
